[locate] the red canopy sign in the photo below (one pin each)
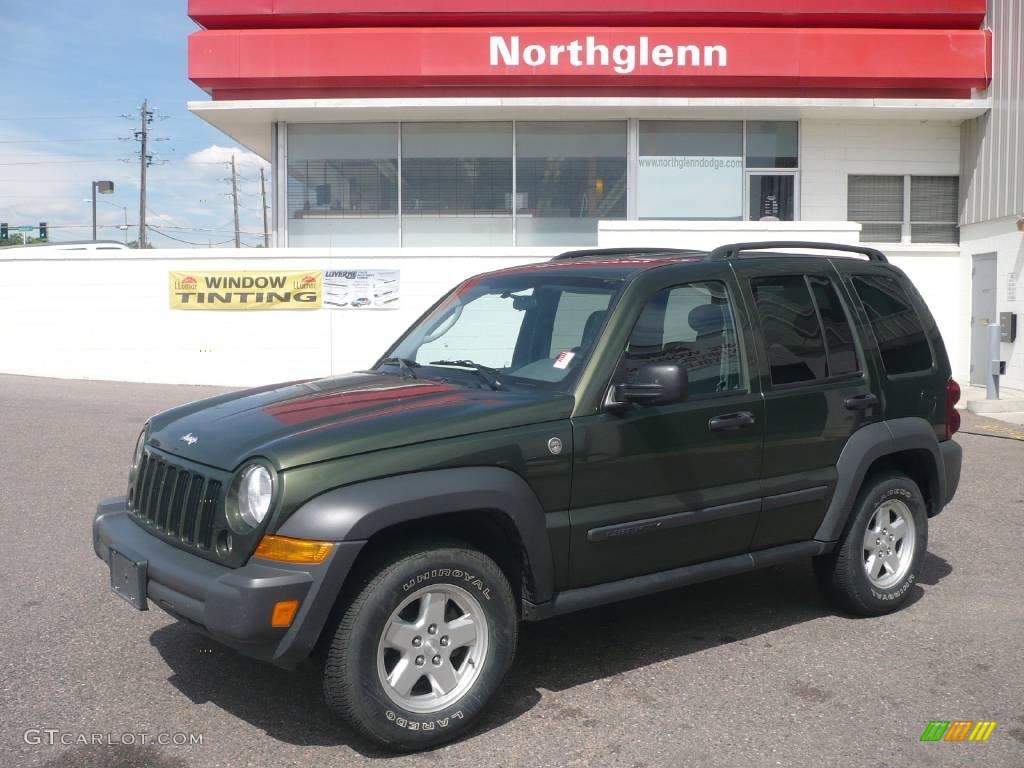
(265, 63)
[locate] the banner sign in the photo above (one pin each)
(267, 63)
(362, 288)
(686, 187)
(251, 289)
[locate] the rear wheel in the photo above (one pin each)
(876, 562)
(422, 647)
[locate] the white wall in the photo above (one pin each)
(1002, 238)
(935, 270)
(830, 150)
(710, 234)
(107, 316)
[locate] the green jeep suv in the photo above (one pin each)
(544, 439)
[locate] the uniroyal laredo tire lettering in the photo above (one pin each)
(897, 593)
(421, 725)
(449, 573)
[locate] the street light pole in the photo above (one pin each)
(103, 188)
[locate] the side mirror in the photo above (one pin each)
(656, 384)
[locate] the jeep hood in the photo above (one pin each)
(306, 422)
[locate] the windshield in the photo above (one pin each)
(514, 330)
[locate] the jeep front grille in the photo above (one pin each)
(175, 501)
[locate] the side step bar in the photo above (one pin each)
(587, 597)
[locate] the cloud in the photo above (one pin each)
(217, 155)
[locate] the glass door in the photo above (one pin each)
(772, 196)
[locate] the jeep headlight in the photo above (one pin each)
(140, 444)
(255, 494)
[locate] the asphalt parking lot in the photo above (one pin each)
(754, 670)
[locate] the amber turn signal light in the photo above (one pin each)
(284, 613)
(287, 550)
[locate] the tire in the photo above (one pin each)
(424, 601)
(844, 573)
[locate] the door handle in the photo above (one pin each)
(731, 421)
(860, 402)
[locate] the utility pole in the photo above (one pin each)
(234, 200)
(263, 197)
(142, 136)
(146, 117)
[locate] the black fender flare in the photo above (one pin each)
(356, 512)
(867, 445)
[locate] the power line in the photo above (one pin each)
(214, 231)
(49, 141)
(179, 240)
(66, 162)
(155, 226)
(55, 117)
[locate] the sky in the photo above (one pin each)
(70, 69)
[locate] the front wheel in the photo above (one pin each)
(422, 647)
(875, 564)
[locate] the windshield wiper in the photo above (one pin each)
(405, 364)
(487, 375)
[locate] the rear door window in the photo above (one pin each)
(792, 334)
(898, 329)
(839, 341)
(806, 330)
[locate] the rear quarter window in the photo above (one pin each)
(898, 329)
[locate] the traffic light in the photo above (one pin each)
(3, 231)
(42, 230)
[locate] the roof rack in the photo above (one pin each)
(613, 252)
(733, 250)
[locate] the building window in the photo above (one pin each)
(876, 203)
(933, 209)
(343, 185)
(695, 170)
(690, 169)
(772, 196)
(772, 144)
(456, 184)
(539, 183)
(907, 209)
(569, 176)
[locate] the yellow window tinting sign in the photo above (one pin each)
(251, 289)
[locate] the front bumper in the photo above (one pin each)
(233, 606)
